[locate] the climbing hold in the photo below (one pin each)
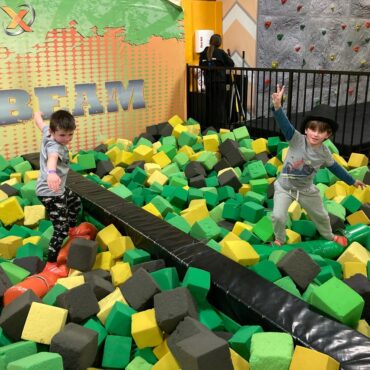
(350, 90)
(357, 27)
(297, 48)
(323, 32)
(349, 43)
(267, 81)
(356, 48)
(279, 36)
(274, 64)
(367, 24)
(299, 7)
(283, 1)
(333, 57)
(344, 26)
(312, 47)
(267, 24)
(302, 27)
(363, 62)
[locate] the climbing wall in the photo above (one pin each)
(314, 34)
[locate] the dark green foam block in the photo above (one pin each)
(235, 291)
(209, 317)
(240, 342)
(179, 222)
(267, 270)
(167, 278)
(287, 284)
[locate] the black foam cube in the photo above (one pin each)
(82, 254)
(101, 287)
(300, 267)
(221, 164)
(101, 148)
(336, 222)
(173, 306)
(229, 178)
(139, 290)
(360, 284)
(135, 164)
(150, 266)
(9, 190)
(5, 282)
(80, 302)
(77, 345)
(194, 169)
(33, 264)
(14, 314)
(197, 181)
(103, 167)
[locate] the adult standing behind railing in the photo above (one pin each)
(215, 81)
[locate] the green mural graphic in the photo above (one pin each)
(139, 19)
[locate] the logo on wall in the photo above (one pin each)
(19, 22)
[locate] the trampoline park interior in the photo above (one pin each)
(172, 264)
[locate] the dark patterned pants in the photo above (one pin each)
(63, 211)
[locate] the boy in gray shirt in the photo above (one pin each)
(306, 154)
(62, 205)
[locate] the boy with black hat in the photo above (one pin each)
(306, 154)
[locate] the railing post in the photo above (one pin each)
(290, 96)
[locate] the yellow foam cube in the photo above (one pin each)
(120, 273)
(71, 281)
(355, 252)
(158, 177)
(309, 359)
(143, 153)
(211, 143)
(175, 120)
(196, 156)
(118, 246)
(241, 252)
(161, 350)
(194, 129)
(284, 152)
(110, 141)
(33, 215)
(186, 149)
(3, 195)
(104, 261)
(109, 179)
(117, 173)
(107, 235)
(149, 168)
(195, 213)
(157, 145)
(363, 195)
(145, 330)
(10, 211)
(339, 188)
(353, 268)
(178, 129)
(162, 159)
(16, 175)
(363, 328)
(43, 322)
(357, 160)
(292, 236)
(239, 363)
(9, 246)
(114, 155)
(166, 362)
(340, 160)
(151, 208)
(229, 237)
(275, 161)
(239, 227)
(358, 217)
(11, 181)
(31, 239)
(31, 176)
(125, 159)
(244, 189)
(295, 211)
(124, 143)
(108, 302)
(260, 145)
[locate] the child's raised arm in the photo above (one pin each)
(278, 96)
(37, 116)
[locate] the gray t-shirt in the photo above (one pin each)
(302, 162)
(48, 145)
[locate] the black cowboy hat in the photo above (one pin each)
(323, 113)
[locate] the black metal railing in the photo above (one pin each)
(248, 100)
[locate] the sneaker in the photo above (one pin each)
(59, 271)
(277, 243)
(342, 240)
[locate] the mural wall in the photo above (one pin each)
(240, 30)
(117, 65)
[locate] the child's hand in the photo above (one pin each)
(359, 184)
(37, 116)
(53, 182)
(278, 96)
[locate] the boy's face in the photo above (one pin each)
(62, 136)
(315, 138)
